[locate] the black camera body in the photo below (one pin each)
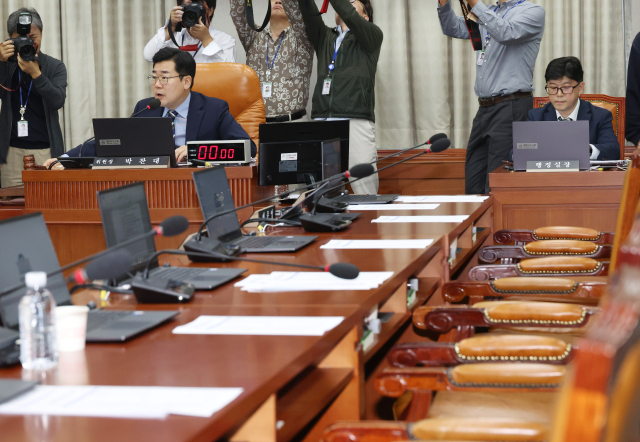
(191, 14)
(22, 44)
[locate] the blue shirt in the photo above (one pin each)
(180, 121)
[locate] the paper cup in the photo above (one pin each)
(71, 327)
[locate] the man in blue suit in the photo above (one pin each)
(195, 116)
(565, 84)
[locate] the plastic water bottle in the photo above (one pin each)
(38, 349)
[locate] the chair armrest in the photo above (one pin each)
(393, 382)
(537, 249)
(541, 288)
(519, 237)
(554, 266)
(366, 432)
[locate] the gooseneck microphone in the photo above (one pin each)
(431, 141)
(153, 104)
(109, 266)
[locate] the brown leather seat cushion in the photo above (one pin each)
(547, 313)
(479, 429)
(526, 375)
(558, 264)
(561, 247)
(564, 232)
(530, 284)
(567, 335)
(505, 347)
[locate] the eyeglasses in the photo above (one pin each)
(566, 90)
(163, 80)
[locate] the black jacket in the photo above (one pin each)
(632, 125)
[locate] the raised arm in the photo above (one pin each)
(239, 18)
(524, 26)
(313, 22)
(53, 90)
(369, 35)
(292, 9)
(451, 24)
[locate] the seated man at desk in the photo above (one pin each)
(196, 116)
(565, 84)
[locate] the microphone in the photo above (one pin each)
(153, 104)
(431, 141)
(110, 266)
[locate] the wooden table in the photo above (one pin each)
(527, 200)
(293, 386)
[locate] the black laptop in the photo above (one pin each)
(134, 137)
(26, 246)
(214, 194)
(125, 215)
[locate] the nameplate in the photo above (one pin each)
(553, 166)
(155, 162)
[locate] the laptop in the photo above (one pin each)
(26, 247)
(214, 194)
(550, 141)
(134, 137)
(125, 215)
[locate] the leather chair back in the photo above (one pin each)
(239, 86)
(615, 105)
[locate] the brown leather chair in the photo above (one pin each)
(615, 105)
(239, 86)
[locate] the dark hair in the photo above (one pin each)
(368, 8)
(12, 21)
(185, 64)
(569, 67)
(210, 3)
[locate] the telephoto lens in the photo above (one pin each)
(191, 14)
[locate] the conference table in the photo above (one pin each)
(293, 386)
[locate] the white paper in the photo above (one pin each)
(378, 244)
(121, 402)
(359, 207)
(310, 281)
(442, 199)
(260, 325)
(421, 219)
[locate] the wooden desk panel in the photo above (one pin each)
(529, 200)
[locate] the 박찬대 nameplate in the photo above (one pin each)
(553, 166)
(156, 162)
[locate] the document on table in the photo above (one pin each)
(121, 402)
(442, 199)
(359, 207)
(421, 219)
(378, 244)
(260, 325)
(310, 281)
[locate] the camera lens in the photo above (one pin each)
(190, 18)
(27, 53)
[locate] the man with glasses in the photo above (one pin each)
(511, 33)
(565, 84)
(195, 116)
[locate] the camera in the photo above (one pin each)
(23, 45)
(191, 14)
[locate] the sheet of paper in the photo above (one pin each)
(378, 244)
(442, 199)
(421, 219)
(121, 402)
(310, 281)
(260, 325)
(360, 207)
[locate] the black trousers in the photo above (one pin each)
(491, 141)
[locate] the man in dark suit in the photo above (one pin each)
(565, 84)
(195, 116)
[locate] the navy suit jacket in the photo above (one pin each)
(208, 119)
(600, 121)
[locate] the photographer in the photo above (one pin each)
(209, 45)
(31, 94)
(282, 57)
(347, 63)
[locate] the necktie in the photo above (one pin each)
(565, 119)
(173, 114)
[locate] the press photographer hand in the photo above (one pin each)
(201, 32)
(29, 67)
(6, 50)
(176, 16)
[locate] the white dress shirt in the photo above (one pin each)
(574, 117)
(221, 49)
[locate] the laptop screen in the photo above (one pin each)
(214, 194)
(26, 246)
(125, 215)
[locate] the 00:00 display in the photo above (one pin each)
(211, 153)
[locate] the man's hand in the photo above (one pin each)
(176, 16)
(6, 50)
(201, 32)
(443, 2)
(56, 167)
(181, 153)
(472, 3)
(29, 67)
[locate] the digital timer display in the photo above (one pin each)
(220, 152)
(215, 152)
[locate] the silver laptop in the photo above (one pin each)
(550, 141)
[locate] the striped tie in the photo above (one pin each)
(565, 119)
(173, 114)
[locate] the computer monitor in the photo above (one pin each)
(309, 131)
(134, 137)
(297, 161)
(26, 247)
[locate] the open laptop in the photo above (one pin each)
(214, 194)
(550, 141)
(26, 246)
(134, 137)
(125, 215)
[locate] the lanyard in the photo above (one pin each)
(488, 39)
(23, 107)
(196, 52)
(276, 54)
(332, 65)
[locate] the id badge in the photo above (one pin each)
(481, 59)
(23, 128)
(326, 86)
(267, 89)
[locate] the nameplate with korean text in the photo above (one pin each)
(149, 162)
(553, 166)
